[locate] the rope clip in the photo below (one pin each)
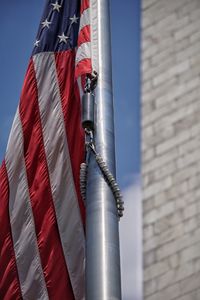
(91, 82)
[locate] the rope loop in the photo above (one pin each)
(90, 148)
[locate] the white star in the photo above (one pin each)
(37, 43)
(74, 19)
(63, 38)
(56, 6)
(46, 23)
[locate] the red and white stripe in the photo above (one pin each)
(87, 50)
(41, 170)
(42, 215)
(21, 219)
(60, 170)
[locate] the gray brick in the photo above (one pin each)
(191, 296)
(184, 271)
(148, 232)
(190, 253)
(170, 293)
(156, 214)
(186, 31)
(174, 261)
(155, 270)
(190, 284)
(149, 258)
(172, 142)
(175, 70)
(148, 154)
(166, 279)
(190, 225)
(157, 187)
(170, 149)
(150, 287)
(190, 211)
(162, 160)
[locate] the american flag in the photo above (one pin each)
(42, 240)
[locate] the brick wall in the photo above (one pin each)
(171, 149)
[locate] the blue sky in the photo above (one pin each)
(126, 82)
(19, 22)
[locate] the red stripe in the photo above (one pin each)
(71, 111)
(83, 67)
(52, 258)
(9, 280)
(83, 78)
(84, 35)
(84, 5)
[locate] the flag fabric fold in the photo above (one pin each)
(42, 240)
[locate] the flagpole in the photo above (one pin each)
(103, 280)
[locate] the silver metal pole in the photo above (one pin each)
(102, 235)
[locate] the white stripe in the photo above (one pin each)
(85, 19)
(83, 52)
(94, 35)
(81, 92)
(21, 218)
(60, 172)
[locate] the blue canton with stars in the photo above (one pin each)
(58, 30)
